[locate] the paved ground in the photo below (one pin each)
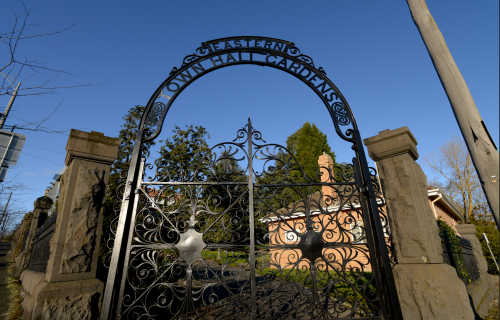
(4, 273)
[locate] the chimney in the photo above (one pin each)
(325, 163)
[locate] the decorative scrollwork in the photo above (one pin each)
(154, 118)
(190, 253)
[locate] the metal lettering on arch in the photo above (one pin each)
(250, 235)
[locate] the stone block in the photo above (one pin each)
(413, 226)
(390, 143)
(41, 204)
(25, 225)
(74, 246)
(64, 300)
(431, 291)
(22, 262)
(468, 231)
(92, 146)
(30, 282)
(482, 291)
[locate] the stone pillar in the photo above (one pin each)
(25, 224)
(483, 290)
(42, 205)
(427, 287)
(71, 289)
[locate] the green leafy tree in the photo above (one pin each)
(484, 222)
(491, 232)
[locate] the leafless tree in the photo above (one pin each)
(18, 69)
(455, 175)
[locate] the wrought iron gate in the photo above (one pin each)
(250, 235)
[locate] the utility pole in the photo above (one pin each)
(4, 217)
(7, 110)
(482, 148)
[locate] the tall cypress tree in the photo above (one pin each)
(306, 144)
(309, 143)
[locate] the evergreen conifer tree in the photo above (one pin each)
(308, 144)
(181, 155)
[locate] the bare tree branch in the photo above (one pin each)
(455, 175)
(14, 68)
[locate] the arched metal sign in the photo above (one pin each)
(294, 246)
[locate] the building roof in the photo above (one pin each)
(445, 202)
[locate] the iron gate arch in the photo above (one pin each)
(243, 292)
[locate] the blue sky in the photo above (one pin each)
(371, 50)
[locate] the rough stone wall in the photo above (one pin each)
(25, 224)
(409, 202)
(83, 306)
(82, 229)
(431, 291)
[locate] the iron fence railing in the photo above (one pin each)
(41, 245)
(452, 257)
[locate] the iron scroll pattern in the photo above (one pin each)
(263, 51)
(190, 253)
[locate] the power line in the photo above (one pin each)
(38, 128)
(45, 149)
(46, 160)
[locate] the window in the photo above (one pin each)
(358, 232)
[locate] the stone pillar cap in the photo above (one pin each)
(93, 146)
(43, 203)
(390, 143)
(466, 228)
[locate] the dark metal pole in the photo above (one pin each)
(116, 269)
(253, 307)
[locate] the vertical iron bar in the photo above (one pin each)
(388, 276)
(110, 298)
(371, 242)
(253, 307)
(128, 243)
